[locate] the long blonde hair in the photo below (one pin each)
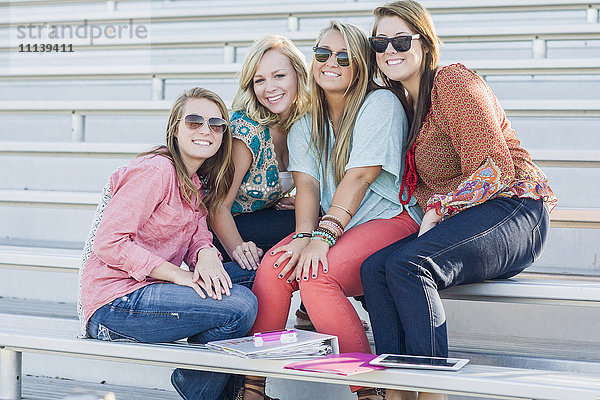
(216, 172)
(358, 49)
(419, 20)
(245, 98)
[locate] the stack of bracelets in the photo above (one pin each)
(329, 230)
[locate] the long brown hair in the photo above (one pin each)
(216, 172)
(419, 20)
(358, 50)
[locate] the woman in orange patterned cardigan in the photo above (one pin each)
(486, 204)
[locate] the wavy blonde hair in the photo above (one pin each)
(217, 171)
(245, 98)
(358, 48)
(419, 20)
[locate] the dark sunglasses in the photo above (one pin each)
(195, 121)
(400, 43)
(322, 55)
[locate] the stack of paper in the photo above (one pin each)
(308, 345)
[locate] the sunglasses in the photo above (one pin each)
(322, 55)
(379, 44)
(195, 121)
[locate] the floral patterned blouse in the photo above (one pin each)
(466, 151)
(260, 187)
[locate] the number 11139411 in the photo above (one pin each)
(45, 48)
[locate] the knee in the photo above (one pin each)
(399, 259)
(312, 290)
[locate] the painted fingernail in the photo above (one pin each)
(297, 279)
(271, 253)
(289, 281)
(305, 278)
(281, 276)
(275, 265)
(325, 270)
(314, 276)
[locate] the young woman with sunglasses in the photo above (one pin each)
(273, 94)
(486, 204)
(151, 219)
(344, 160)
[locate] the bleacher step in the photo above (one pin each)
(47, 388)
(482, 348)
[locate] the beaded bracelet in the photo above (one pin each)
(328, 231)
(332, 218)
(332, 225)
(323, 235)
(324, 239)
(301, 235)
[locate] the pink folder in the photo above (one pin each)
(341, 364)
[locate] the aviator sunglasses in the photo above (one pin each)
(400, 43)
(195, 121)
(322, 55)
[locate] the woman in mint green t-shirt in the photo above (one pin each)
(345, 157)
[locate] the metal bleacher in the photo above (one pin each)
(67, 120)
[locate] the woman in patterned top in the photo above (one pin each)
(486, 204)
(272, 96)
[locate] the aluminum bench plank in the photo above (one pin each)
(523, 290)
(40, 258)
(41, 197)
(461, 34)
(529, 108)
(526, 289)
(545, 158)
(184, 71)
(297, 10)
(471, 380)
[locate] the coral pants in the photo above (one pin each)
(325, 297)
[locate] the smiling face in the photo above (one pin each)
(329, 75)
(404, 67)
(275, 83)
(196, 145)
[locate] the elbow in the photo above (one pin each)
(109, 251)
(363, 175)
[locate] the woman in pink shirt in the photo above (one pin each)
(152, 217)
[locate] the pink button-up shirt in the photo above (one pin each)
(145, 223)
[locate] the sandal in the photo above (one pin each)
(303, 322)
(367, 393)
(258, 387)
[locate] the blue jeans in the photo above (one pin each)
(496, 239)
(165, 312)
(264, 227)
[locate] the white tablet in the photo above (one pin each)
(402, 361)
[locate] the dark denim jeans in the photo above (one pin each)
(264, 227)
(165, 312)
(496, 239)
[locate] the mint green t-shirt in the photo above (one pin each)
(377, 139)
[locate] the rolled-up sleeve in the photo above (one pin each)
(135, 195)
